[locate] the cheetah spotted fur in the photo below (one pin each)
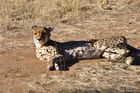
(56, 54)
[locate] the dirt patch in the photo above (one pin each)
(19, 67)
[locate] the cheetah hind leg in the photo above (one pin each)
(129, 60)
(118, 55)
(117, 51)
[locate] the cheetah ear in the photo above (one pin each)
(34, 26)
(49, 28)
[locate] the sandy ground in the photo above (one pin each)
(18, 65)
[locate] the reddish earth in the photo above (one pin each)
(19, 67)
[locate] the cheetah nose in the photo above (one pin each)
(39, 39)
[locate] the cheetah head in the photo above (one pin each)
(41, 34)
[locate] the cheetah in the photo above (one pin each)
(56, 54)
(114, 48)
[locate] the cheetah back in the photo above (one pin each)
(111, 42)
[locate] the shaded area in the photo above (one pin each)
(135, 53)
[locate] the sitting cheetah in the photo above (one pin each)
(55, 54)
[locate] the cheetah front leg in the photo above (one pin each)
(50, 66)
(53, 65)
(54, 62)
(59, 62)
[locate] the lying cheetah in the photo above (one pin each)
(55, 54)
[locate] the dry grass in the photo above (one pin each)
(17, 16)
(21, 14)
(103, 77)
(24, 13)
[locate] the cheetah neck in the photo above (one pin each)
(37, 43)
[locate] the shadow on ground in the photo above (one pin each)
(135, 54)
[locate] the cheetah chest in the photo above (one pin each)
(46, 53)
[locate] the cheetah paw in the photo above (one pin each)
(50, 68)
(129, 60)
(57, 68)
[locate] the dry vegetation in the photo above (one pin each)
(75, 19)
(17, 16)
(103, 77)
(24, 13)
